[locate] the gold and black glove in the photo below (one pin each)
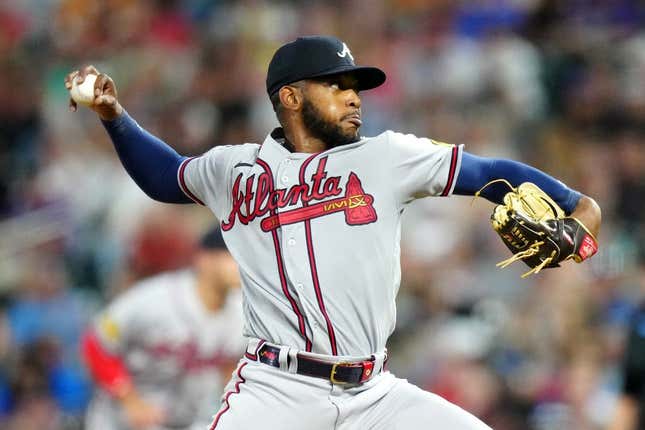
(537, 231)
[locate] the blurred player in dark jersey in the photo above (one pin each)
(630, 408)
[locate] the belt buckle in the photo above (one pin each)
(334, 368)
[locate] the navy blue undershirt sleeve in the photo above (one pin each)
(477, 171)
(151, 163)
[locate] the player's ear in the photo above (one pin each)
(291, 97)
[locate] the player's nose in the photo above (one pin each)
(353, 99)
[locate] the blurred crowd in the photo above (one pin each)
(556, 84)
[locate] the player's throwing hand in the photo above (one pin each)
(105, 102)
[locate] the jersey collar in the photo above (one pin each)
(273, 149)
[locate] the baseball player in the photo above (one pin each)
(161, 352)
(312, 216)
(630, 407)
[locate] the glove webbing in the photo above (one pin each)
(521, 195)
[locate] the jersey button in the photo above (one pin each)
(291, 241)
(285, 179)
(299, 286)
(287, 161)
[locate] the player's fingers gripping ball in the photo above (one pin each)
(83, 93)
(537, 231)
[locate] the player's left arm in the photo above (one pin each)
(476, 172)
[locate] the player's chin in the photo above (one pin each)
(351, 132)
(341, 139)
(350, 138)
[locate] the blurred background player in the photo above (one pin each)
(161, 352)
(630, 407)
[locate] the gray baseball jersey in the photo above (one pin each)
(316, 236)
(172, 347)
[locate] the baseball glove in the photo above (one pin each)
(538, 232)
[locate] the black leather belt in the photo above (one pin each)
(341, 373)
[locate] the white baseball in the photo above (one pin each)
(84, 93)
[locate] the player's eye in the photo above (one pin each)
(347, 83)
(336, 83)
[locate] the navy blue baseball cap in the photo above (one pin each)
(314, 57)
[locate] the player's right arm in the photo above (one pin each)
(104, 347)
(109, 371)
(151, 163)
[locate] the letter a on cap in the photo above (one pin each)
(345, 52)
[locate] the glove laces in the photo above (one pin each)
(529, 252)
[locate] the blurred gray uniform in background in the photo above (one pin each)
(173, 348)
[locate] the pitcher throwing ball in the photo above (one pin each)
(312, 215)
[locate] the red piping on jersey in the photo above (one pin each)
(451, 173)
(182, 181)
(278, 255)
(235, 390)
(108, 370)
(312, 258)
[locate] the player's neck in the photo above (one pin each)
(301, 141)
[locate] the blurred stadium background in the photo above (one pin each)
(556, 84)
